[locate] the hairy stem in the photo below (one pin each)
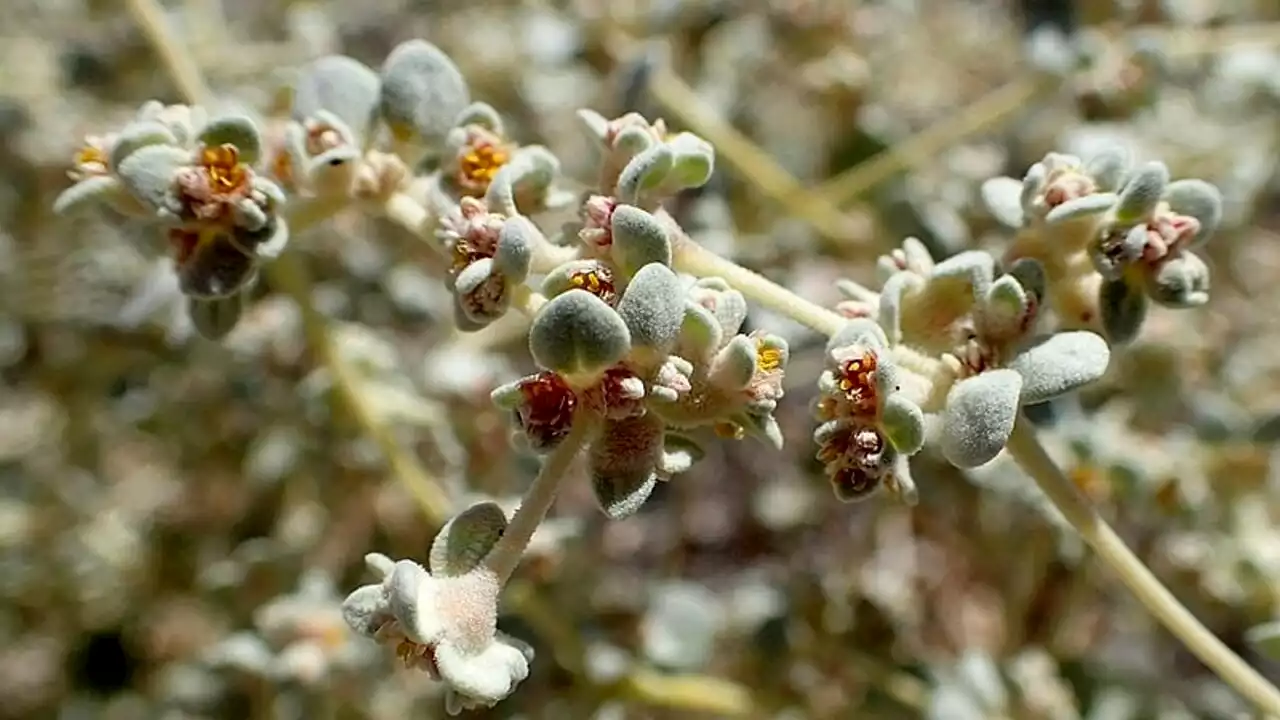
(1026, 449)
(505, 556)
(692, 258)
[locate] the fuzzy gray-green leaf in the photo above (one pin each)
(93, 191)
(1123, 307)
(340, 85)
(577, 333)
(148, 173)
(1108, 168)
(623, 463)
(1060, 363)
(976, 268)
(239, 131)
(595, 124)
(653, 308)
(693, 162)
(213, 319)
(514, 253)
(530, 173)
(507, 396)
(138, 135)
(700, 332)
(365, 609)
(1030, 275)
(1141, 194)
(646, 171)
(481, 114)
(466, 539)
(859, 331)
(639, 238)
(1003, 198)
(890, 309)
(679, 454)
(734, 365)
(402, 587)
(1081, 207)
(979, 417)
(422, 91)
(1181, 281)
(1200, 200)
(727, 304)
(1002, 311)
(903, 424)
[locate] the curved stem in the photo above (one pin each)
(505, 556)
(692, 258)
(1026, 449)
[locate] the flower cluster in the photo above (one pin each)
(1109, 236)
(334, 109)
(197, 179)
(868, 426)
(489, 254)
(643, 162)
(951, 338)
(622, 342)
(476, 150)
(626, 344)
(442, 619)
(1143, 248)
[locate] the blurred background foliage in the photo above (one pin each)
(180, 519)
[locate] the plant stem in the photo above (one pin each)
(924, 147)
(412, 216)
(288, 273)
(694, 259)
(692, 694)
(1025, 448)
(505, 556)
(179, 63)
(686, 106)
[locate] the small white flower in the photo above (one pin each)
(444, 620)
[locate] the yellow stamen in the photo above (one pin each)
(480, 164)
(597, 282)
(729, 430)
(767, 358)
(222, 163)
(90, 154)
